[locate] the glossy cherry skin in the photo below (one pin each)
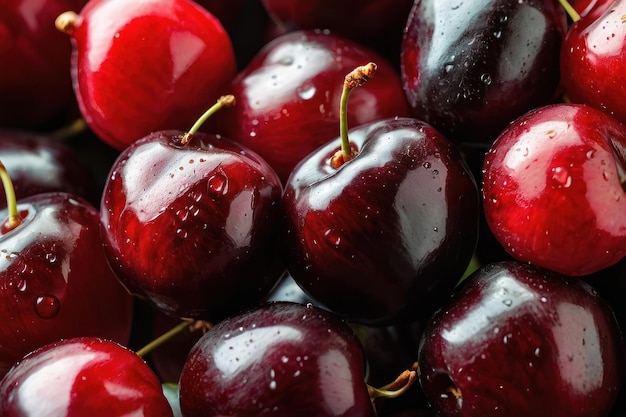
(516, 340)
(284, 359)
(54, 278)
(80, 377)
(591, 9)
(38, 164)
(147, 66)
(385, 237)
(191, 228)
(592, 68)
(552, 189)
(471, 67)
(36, 88)
(288, 96)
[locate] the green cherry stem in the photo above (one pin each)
(573, 14)
(191, 325)
(14, 218)
(398, 387)
(223, 101)
(354, 79)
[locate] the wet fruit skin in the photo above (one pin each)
(385, 237)
(284, 359)
(288, 96)
(552, 189)
(592, 67)
(147, 66)
(516, 340)
(37, 163)
(54, 279)
(190, 228)
(80, 377)
(471, 67)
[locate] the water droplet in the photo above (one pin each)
(306, 92)
(485, 79)
(497, 34)
(507, 302)
(47, 306)
(591, 153)
(333, 237)
(448, 67)
(218, 184)
(427, 165)
(561, 177)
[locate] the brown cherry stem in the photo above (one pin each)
(573, 14)
(354, 79)
(396, 388)
(185, 324)
(14, 218)
(223, 101)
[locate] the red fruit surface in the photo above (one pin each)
(191, 228)
(288, 96)
(516, 340)
(81, 377)
(55, 281)
(35, 82)
(553, 189)
(145, 66)
(593, 70)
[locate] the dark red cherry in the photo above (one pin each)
(470, 67)
(516, 340)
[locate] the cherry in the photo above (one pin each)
(79, 377)
(38, 163)
(517, 340)
(471, 67)
(54, 278)
(553, 189)
(381, 222)
(35, 82)
(145, 67)
(281, 358)
(591, 65)
(288, 96)
(188, 222)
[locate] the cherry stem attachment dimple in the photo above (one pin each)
(224, 101)
(573, 14)
(356, 78)
(185, 324)
(14, 218)
(396, 388)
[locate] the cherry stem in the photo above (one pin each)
(354, 79)
(573, 14)
(67, 22)
(224, 101)
(14, 218)
(64, 133)
(186, 324)
(396, 388)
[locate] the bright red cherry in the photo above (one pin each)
(191, 226)
(288, 96)
(81, 377)
(591, 8)
(145, 66)
(55, 281)
(284, 359)
(553, 189)
(35, 82)
(593, 70)
(516, 340)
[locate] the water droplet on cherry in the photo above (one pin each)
(561, 177)
(47, 306)
(333, 237)
(218, 184)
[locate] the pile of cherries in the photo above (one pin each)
(322, 208)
